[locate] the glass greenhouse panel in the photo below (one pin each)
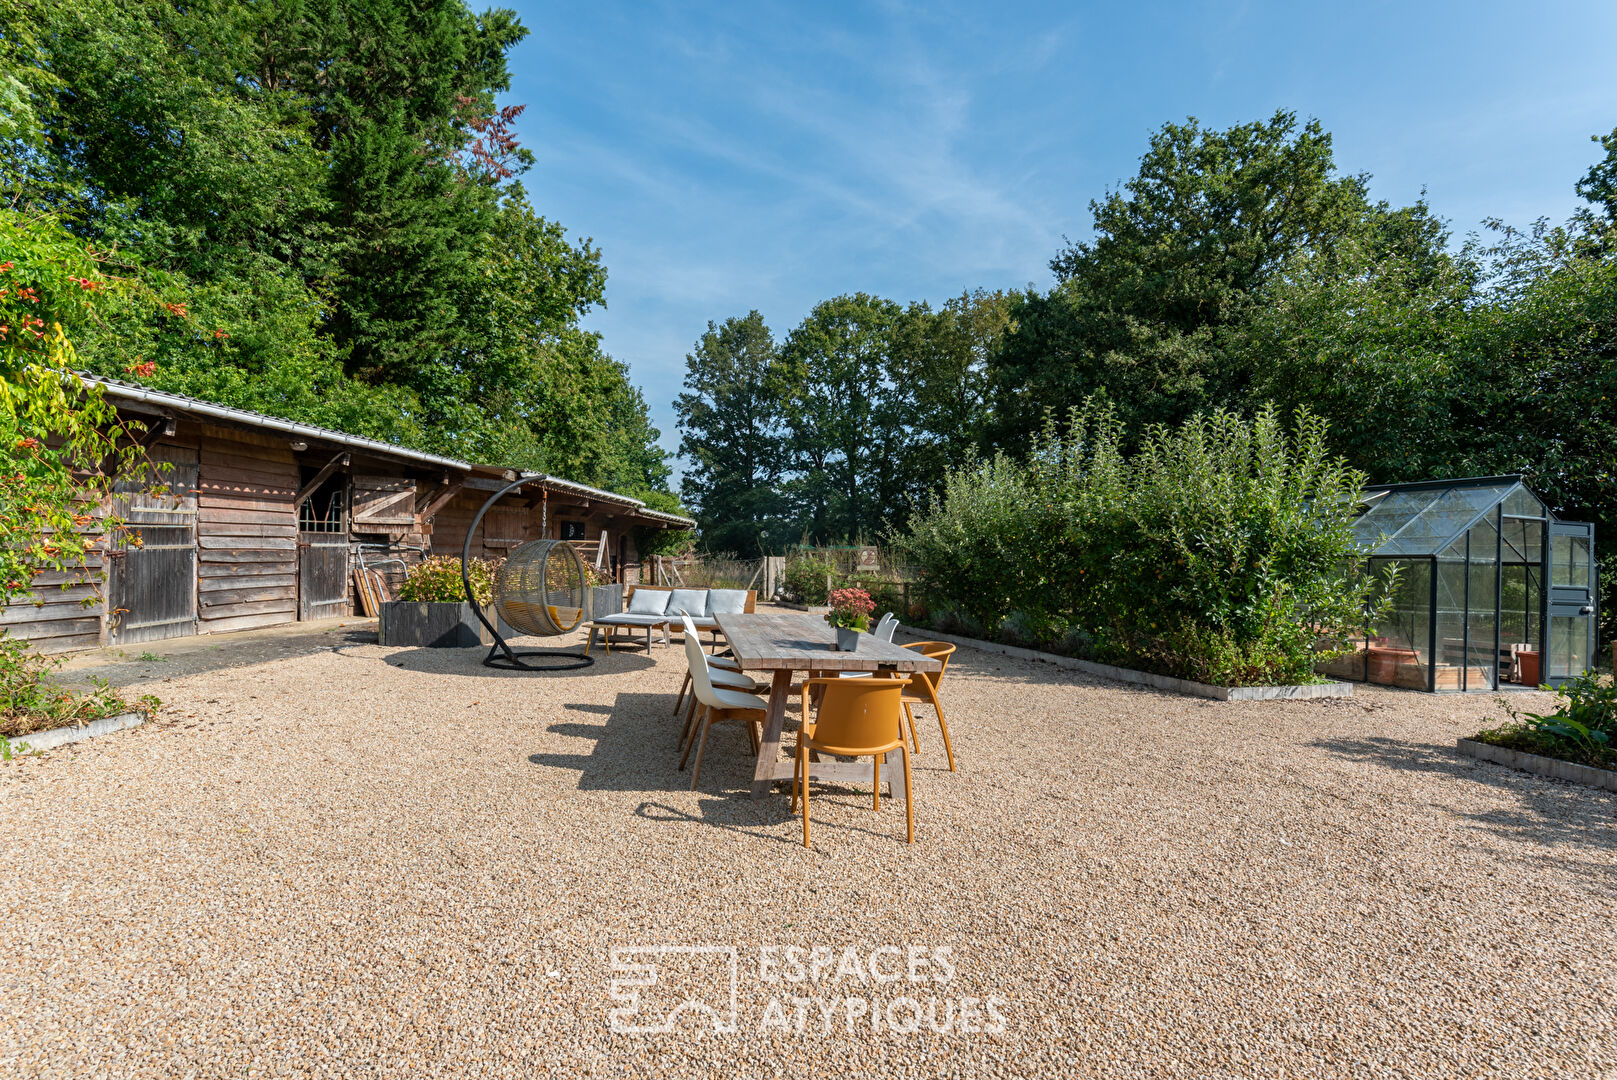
(1482, 655)
(1398, 653)
(1569, 647)
(1447, 517)
(1523, 503)
(1451, 581)
(1569, 555)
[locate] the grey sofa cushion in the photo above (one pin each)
(692, 602)
(648, 602)
(626, 619)
(726, 601)
(705, 624)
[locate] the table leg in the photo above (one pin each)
(763, 775)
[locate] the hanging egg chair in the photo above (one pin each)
(540, 589)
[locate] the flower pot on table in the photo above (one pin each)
(847, 639)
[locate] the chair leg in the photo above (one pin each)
(686, 682)
(797, 773)
(948, 747)
(696, 770)
(692, 722)
(875, 773)
(804, 772)
(910, 716)
(909, 796)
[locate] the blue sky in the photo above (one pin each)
(761, 155)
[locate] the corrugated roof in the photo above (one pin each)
(117, 388)
(663, 515)
(130, 392)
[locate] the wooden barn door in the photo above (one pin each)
(323, 551)
(152, 580)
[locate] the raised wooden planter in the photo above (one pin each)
(433, 626)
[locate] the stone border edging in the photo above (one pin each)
(1554, 768)
(1145, 678)
(51, 738)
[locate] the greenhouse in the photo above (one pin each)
(1491, 589)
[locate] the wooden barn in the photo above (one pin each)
(267, 520)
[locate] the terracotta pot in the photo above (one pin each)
(1532, 669)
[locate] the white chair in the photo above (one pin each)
(713, 703)
(716, 664)
(725, 678)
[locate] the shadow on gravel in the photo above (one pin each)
(637, 747)
(1551, 813)
(736, 814)
(470, 662)
(129, 665)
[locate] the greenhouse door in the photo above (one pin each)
(1571, 635)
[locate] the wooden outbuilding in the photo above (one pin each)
(265, 521)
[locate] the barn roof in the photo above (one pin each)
(180, 403)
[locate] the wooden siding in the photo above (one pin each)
(247, 531)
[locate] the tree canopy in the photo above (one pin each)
(1239, 269)
(328, 195)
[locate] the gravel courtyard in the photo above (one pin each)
(328, 858)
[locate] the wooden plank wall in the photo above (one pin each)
(247, 531)
(55, 619)
(450, 524)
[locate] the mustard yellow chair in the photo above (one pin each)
(856, 718)
(923, 690)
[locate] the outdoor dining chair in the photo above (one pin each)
(923, 690)
(726, 678)
(857, 718)
(714, 703)
(715, 664)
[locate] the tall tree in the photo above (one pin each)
(938, 364)
(1179, 253)
(843, 415)
(730, 419)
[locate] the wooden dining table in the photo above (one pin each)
(783, 642)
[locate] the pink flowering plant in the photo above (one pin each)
(850, 609)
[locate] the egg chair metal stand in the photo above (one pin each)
(532, 594)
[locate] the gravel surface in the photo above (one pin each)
(343, 860)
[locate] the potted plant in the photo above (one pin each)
(432, 610)
(850, 614)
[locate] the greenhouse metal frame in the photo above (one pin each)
(1492, 589)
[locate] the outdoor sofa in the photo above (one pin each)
(660, 607)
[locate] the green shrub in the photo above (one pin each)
(438, 581)
(1582, 729)
(1221, 551)
(805, 579)
(31, 700)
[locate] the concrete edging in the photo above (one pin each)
(1145, 678)
(1554, 768)
(51, 738)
